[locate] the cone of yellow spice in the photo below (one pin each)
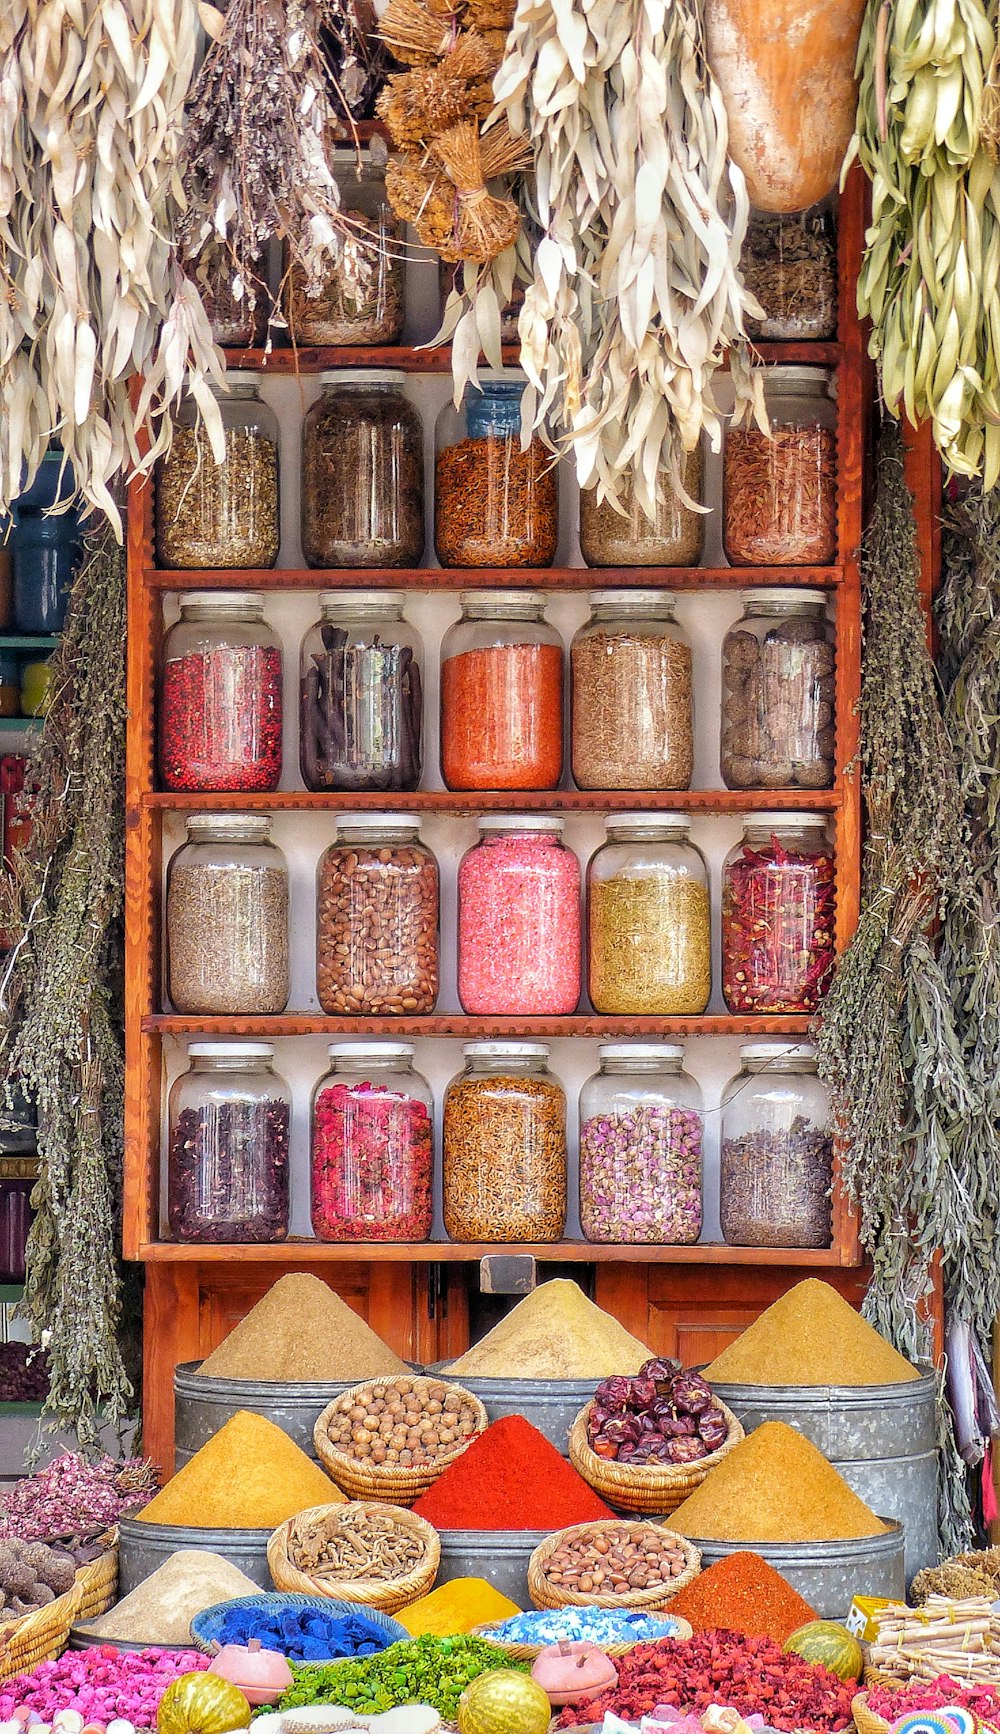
(811, 1336)
(249, 1475)
(775, 1486)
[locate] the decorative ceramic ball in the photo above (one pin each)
(503, 1702)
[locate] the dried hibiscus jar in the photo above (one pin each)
(778, 693)
(377, 919)
(776, 1169)
(674, 537)
(641, 1131)
(502, 694)
(227, 918)
(494, 504)
(372, 1145)
(632, 700)
(227, 1168)
(519, 920)
(778, 914)
(789, 262)
(779, 504)
(504, 1146)
(361, 694)
(362, 473)
(221, 696)
(221, 515)
(361, 296)
(648, 919)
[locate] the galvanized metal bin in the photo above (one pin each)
(551, 1405)
(827, 1573)
(144, 1547)
(499, 1555)
(203, 1404)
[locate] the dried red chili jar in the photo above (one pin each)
(778, 914)
(502, 694)
(220, 698)
(372, 1145)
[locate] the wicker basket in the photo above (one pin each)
(547, 1595)
(98, 1583)
(367, 1592)
(650, 1489)
(39, 1637)
(529, 1652)
(865, 1720)
(401, 1484)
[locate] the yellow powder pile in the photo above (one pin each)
(554, 1333)
(775, 1486)
(249, 1475)
(811, 1336)
(161, 1608)
(301, 1331)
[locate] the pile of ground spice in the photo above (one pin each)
(811, 1336)
(774, 1486)
(300, 1331)
(249, 1475)
(554, 1333)
(511, 1477)
(742, 1593)
(161, 1608)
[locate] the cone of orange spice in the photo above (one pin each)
(742, 1593)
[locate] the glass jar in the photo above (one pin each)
(502, 694)
(18, 1178)
(648, 919)
(632, 702)
(778, 914)
(789, 262)
(778, 693)
(362, 473)
(36, 687)
(237, 310)
(505, 1146)
(46, 556)
(779, 499)
(675, 537)
(361, 297)
(519, 920)
(776, 1170)
(377, 917)
(221, 515)
(641, 1130)
(10, 686)
(221, 695)
(494, 504)
(227, 1170)
(227, 918)
(360, 694)
(372, 1145)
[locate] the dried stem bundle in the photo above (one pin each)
(418, 105)
(486, 225)
(417, 34)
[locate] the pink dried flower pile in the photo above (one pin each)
(72, 1498)
(101, 1684)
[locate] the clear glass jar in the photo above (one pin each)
(227, 918)
(372, 1145)
(519, 920)
(361, 694)
(790, 264)
(776, 1170)
(505, 1146)
(377, 892)
(494, 505)
(502, 694)
(779, 500)
(675, 537)
(632, 702)
(778, 693)
(227, 1168)
(221, 696)
(362, 473)
(226, 515)
(648, 919)
(361, 299)
(778, 914)
(237, 310)
(47, 553)
(641, 1132)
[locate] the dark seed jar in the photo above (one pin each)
(362, 473)
(778, 692)
(776, 1169)
(227, 1168)
(360, 694)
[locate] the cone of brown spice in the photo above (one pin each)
(302, 1331)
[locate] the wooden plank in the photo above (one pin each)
(300, 1253)
(587, 1024)
(467, 804)
(406, 358)
(433, 578)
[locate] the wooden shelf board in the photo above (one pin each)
(421, 359)
(587, 1024)
(18, 725)
(487, 578)
(29, 640)
(506, 801)
(451, 1252)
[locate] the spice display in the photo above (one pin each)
(779, 690)
(742, 1593)
(641, 1129)
(377, 919)
(555, 1332)
(663, 1415)
(943, 1636)
(160, 1609)
(227, 1164)
(411, 1422)
(810, 1336)
(789, 265)
(504, 1146)
(510, 1478)
(519, 933)
(632, 702)
(457, 1606)
(227, 917)
(300, 1330)
(359, 1541)
(423, 1670)
(778, 915)
(596, 1625)
(610, 536)
(101, 1685)
(221, 513)
(221, 696)
(372, 1146)
(24, 1373)
(74, 1502)
(31, 1575)
(612, 1559)
(648, 919)
(494, 504)
(249, 1475)
(774, 1486)
(302, 1631)
(777, 1150)
(502, 694)
(355, 293)
(780, 499)
(362, 473)
(360, 695)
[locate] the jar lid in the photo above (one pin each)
(231, 1050)
(503, 599)
(241, 376)
(359, 600)
(778, 1051)
(377, 821)
(521, 822)
(788, 821)
(647, 821)
(506, 1050)
(641, 1051)
(259, 822)
(371, 1050)
(633, 598)
(362, 376)
(222, 599)
(812, 378)
(783, 593)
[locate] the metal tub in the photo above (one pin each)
(144, 1547)
(499, 1555)
(202, 1405)
(829, 1574)
(551, 1405)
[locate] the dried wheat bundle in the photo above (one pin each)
(486, 225)
(418, 105)
(426, 199)
(416, 33)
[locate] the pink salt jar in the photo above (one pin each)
(519, 920)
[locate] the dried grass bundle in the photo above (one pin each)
(493, 15)
(502, 153)
(426, 200)
(417, 34)
(989, 123)
(418, 105)
(486, 225)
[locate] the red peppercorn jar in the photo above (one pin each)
(221, 696)
(227, 1169)
(372, 1145)
(502, 694)
(519, 926)
(778, 914)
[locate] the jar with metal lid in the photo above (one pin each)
(221, 695)
(502, 694)
(227, 918)
(361, 694)
(648, 919)
(519, 919)
(224, 514)
(778, 693)
(494, 504)
(227, 1168)
(778, 914)
(362, 473)
(372, 1145)
(674, 537)
(779, 504)
(632, 703)
(505, 1146)
(641, 1130)
(789, 262)
(377, 919)
(776, 1170)
(361, 296)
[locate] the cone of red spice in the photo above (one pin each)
(742, 1593)
(511, 1477)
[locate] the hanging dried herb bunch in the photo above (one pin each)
(419, 105)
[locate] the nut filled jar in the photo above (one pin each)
(779, 500)
(494, 504)
(778, 914)
(778, 693)
(221, 696)
(361, 297)
(519, 920)
(372, 1145)
(632, 702)
(641, 1129)
(227, 918)
(227, 1169)
(674, 537)
(505, 1146)
(776, 1169)
(789, 262)
(221, 515)
(362, 473)
(377, 919)
(502, 694)
(361, 694)
(648, 919)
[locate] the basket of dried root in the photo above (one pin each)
(379, 1555)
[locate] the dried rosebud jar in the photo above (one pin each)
(778, 915)
(776, 1168)
(224, 514)
(641, 1128)
(778, 693)
(221, 696)
(372, 1145)
(779, 499)
(504, 1146)
(227, 1166)
(494, 504)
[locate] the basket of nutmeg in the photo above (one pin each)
(391, 1438)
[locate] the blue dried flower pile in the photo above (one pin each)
(303, 1634)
